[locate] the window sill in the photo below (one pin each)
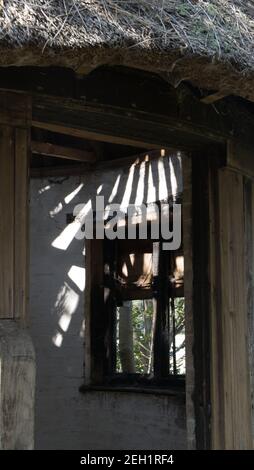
(173, 391)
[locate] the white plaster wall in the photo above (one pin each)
(65, 419)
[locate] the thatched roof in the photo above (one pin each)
(210, 42)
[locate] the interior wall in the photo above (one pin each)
(66, 419)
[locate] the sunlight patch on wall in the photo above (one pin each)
(141, 185)
(65, 306)
(57, 340)
(128, 189)
(78, 276)
(63, 241)
(46, 188)
(56, 210)
(151, 196)
(114, 190)
(173, 178)
(99, 189)
(74, 193)
(162, 182)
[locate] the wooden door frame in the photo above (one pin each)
(148, 134)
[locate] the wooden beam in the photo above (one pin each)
(122, 126)
(52, 150)
(88, 135)
(212, 98)
(134, 94)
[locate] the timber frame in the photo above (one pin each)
(141, 110)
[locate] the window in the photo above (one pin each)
(137, 331)
(135, 322)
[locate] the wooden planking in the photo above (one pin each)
(216, 334)
(249, 256)
(113, 124)
(6, 222)
(21, 248)
(15, 110)
(240, 157)
(126, 89)
(188, 295)
(233, 312)
(201, 321)
(58, 151)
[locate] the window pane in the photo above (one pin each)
(177, 336)
(134, 337)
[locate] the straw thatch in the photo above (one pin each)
(183, 37)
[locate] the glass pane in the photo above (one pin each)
(135, 337)
(177, 336)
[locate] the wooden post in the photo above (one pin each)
(230, 379)
(126, 347)
(17, 363)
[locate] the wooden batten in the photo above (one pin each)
(58, 151)
(249, 256)
(7, 153)
(15, 116)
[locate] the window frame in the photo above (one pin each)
(100, 335)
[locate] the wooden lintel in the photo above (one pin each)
(115, 125)
(52, 150)
(90, 135)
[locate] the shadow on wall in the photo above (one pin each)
(64, 418)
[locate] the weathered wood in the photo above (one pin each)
(161, 305)
(249, 257)
(21, 244)
(126, 346)
(13, 205)
(17, 387)
(7, 162)
(201, 332)
(240, 157)
(124, 88)
(230, 365)
(234, 313)
(216, 331)
(188, 295)
(15, 111)
(101, 327)
(113, 124)
(17, 359)
(58, 151)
